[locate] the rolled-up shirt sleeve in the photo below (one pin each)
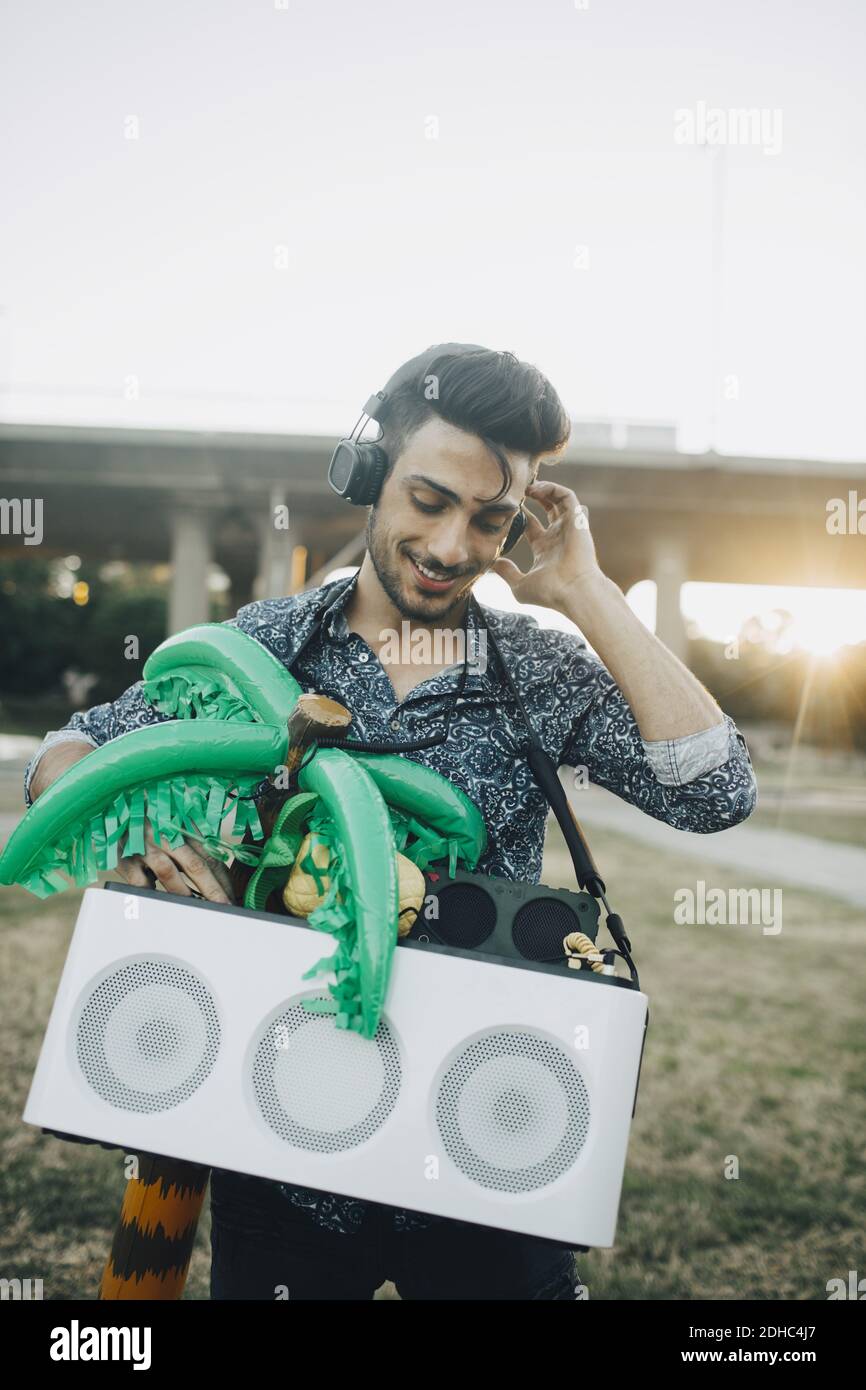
(701, 782)
(676, 761)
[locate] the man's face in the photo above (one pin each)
(432, 512)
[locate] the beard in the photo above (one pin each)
(386, 562)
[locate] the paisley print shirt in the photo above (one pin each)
(703, 782)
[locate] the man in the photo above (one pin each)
(461, 462)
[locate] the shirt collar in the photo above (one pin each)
(334, 622)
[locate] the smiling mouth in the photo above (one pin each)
(430, 582)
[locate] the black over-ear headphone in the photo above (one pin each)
(357, 470)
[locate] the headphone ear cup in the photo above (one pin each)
(356, 472)
(516, 530)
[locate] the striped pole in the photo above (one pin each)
(153, 1242)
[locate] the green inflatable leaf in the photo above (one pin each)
(229, 699)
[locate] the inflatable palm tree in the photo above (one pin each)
(231, 702)
(231, 710)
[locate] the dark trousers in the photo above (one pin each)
(264, 1248)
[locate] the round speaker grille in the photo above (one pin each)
(467, 916)
(147, 1035)
(540, 925)
(512, 1111)
(322, 1088)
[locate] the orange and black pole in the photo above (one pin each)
(153, 1242)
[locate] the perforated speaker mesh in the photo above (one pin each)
(147, 1035)
(512, 1111)
(322, 1088)
(467, 915)
(540, 925)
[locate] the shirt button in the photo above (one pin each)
(395, 723)
(363, 656)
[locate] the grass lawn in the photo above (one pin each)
(756, 1049)
(843, 827)
(813, 795)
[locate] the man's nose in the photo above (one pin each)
(447, 543)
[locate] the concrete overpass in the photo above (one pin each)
(192, 498)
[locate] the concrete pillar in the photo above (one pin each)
(190, 562)
(276, 542)
(670, 572)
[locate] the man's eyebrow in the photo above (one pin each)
(455, 497)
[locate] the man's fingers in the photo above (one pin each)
(168, 867)
(168, 873)
(507, 570)
(134, 871)
(200, 872)
(553, 497)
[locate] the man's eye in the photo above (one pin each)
(491, 530)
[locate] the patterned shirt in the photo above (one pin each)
(703, 782)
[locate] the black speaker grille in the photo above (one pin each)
(467, 916)
(540, 925)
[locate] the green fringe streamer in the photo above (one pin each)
(428, 847)
(177, 808)
(186, 693)
(338, 919)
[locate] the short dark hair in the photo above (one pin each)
(507, 403)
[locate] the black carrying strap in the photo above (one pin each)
(547, 778)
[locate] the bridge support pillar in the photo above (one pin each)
(190, 560)
(670, 572)
(277, 537)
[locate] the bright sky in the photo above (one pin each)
(282, 233)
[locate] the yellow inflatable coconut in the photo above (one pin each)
(301, 896)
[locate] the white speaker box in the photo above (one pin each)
(495, 1092)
